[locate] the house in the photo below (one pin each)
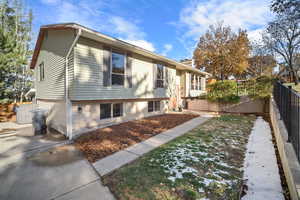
(86, 79)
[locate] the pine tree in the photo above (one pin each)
(15, 37)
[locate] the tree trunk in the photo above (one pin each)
(295, 77)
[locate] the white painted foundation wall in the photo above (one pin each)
(56, 114)
(89, 117)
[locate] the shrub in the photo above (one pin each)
(263, 87)
(5, 101)
(223, 91)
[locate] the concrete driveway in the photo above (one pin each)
(30, 168)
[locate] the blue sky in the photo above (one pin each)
(168, 27)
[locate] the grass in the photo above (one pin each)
(205, 163)
(295, 87)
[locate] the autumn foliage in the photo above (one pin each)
(222, 52)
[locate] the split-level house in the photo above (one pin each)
(86, 79)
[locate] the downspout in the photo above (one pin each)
(67, 100)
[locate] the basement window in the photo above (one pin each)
(157, 105)
(117, 110)
(150, 106)
(153, 106)
(105, 111)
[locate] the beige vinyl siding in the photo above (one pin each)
(53, 51)
(88, 76)
(71, 71)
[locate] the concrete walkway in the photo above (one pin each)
(121, 158)
(260, 166)
(12, 125)
(40, 169)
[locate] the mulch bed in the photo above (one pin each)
(103, 142)
(6, 113)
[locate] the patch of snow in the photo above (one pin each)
(260, 165)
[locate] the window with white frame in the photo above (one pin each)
(153, 106)
(150, 106)
(160, 76)
(118, 62)
(199, 82)
(42, 72)
(193, 82)
(105, 111)
(108, 110)
(157, 105)
(117, 109)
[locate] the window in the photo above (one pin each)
(105, 111)
(157, 105)
(193, 82)
(153, 106)
(118, 68)
(160, 76)
(199, 82)
(42, 72)
(150, 106)
(117, 110)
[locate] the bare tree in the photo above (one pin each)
(283, 33)
(261, 62)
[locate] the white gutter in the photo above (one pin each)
(67, 100)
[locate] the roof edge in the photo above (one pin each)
(76, 26)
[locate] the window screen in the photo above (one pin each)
(117, 109)
(118, 68)
(160, 76)
(105, 111)
(150, 106)
(157, 105)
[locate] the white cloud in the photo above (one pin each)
(167, 49)
(141, 43)
(127, 28)
(90, 14)
(255, 35)
(197, 16)
(50, 2)
(130, 33)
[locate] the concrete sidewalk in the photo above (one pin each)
(58, 173)
(43, 168)
(260, 166)
(13, 125)
(121, 158)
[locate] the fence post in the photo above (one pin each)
(288, 112)
(279, 103)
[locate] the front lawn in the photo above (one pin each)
(205, 163)
(295, 87)
(105, 141)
